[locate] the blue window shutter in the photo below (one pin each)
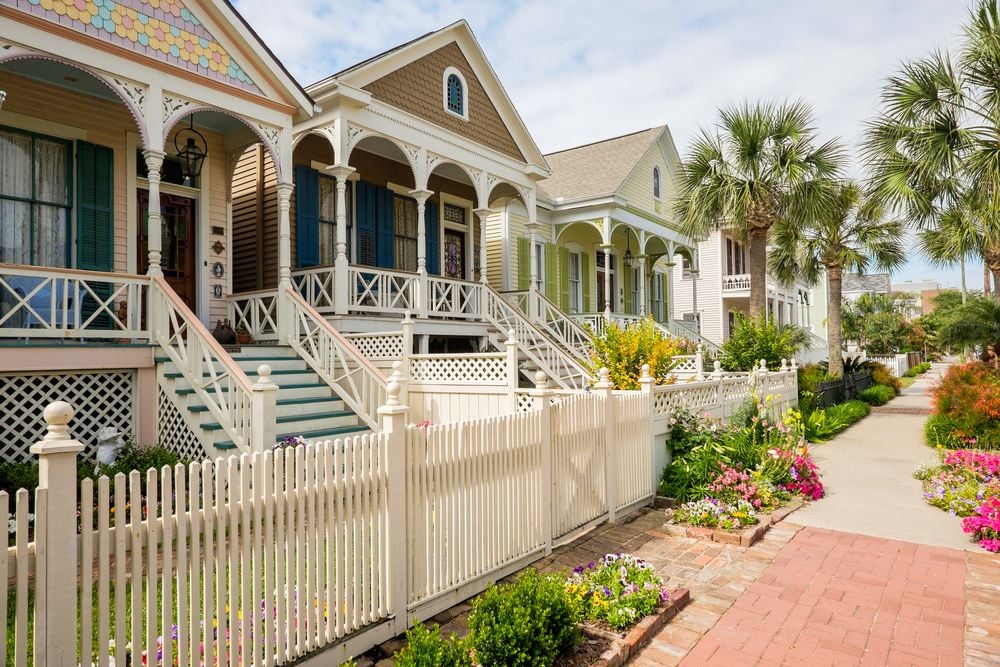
(433, 239)
(385, 243)
(95, 207)
(366, 223)
(307, 215)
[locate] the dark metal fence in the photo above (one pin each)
(843, 389)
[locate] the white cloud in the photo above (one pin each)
(584, 70)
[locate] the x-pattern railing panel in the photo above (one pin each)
(316, 287)
(257, 313)
(379, 291)
(38, 302)
(453, 298)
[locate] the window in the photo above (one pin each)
(685, 268)
(540, 263)
(327, 191)
(636, 278)
(732, 323)
(657, 288)
(405, 221)
(656, 182)
(575, 283)
(35, 198)
(454, 93)
(735, 258)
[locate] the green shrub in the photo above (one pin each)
(623, 349)
(133, 457)
(877, 395)
(811, 375)
(755, 339)
(425, 647)
(821, 425)
(528, 623)
(882, 375)
(848, 412)
(14, 476)
(939, 430)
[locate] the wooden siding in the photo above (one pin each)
(638, 187)
(709, 289)
(418, 89)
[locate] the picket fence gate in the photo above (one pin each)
(270, 557)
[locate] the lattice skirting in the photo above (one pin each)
(173, 432)
(99, 398)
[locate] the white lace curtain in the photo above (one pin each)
(34, 200)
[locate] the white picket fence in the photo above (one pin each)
(269, 557)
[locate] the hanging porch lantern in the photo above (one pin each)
(192, 155)
(628, 251)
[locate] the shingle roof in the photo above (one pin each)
(596, 169)
(876, 283)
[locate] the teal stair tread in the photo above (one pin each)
(173, 375)
(304, 385)
(309, 435)
(332, 414)
(213, 426)
(282, 401)
(237, 357)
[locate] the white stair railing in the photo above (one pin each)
(570, 335)
(218, 382)
(680, 330)
(557, 363)
(336, 360)
(256, 313)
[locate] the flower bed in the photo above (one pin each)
(966, 408)
(966, 484)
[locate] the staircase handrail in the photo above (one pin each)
(675, 328)
(573, 337)
(216, 379)
(558, 364)
(337, 361)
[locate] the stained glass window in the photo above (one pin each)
(456, 95)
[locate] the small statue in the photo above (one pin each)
(109, 443)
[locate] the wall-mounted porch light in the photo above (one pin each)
(193, 155)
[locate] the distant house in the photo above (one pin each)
(910, 295)
(856, 284)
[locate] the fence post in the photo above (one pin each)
(603, 388)
(646, 387)
(263, 411)
(541, 395)
(56, 564)
(394, 431)
(699, 364)
(407, 325)
(513, 375)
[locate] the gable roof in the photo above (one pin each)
(371, 70)
(599, 168)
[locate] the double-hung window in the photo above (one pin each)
(327, 193)
(575, 283)
(540, 264)
(35, 198)
(636, 278)
(405, 224)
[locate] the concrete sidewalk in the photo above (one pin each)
(868, 474)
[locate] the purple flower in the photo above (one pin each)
(578, 569)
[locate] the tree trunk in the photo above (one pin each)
(991, 261)
(834, 277)
(757, 259)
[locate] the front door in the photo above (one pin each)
(600, 290)
(454, 254)
(177, 243)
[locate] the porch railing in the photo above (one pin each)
(381, 291)
(447, 297)
(736, 283)
(37, 302)
(256, 313)
(316, 287)
(218, 382)
(336, 360)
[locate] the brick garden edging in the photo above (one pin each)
(744, 538)
(640, 634)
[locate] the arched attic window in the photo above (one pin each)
(656, 182)
(455, 99)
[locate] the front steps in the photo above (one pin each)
(306, 406)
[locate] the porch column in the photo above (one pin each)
(482, 214)
(154, 225)
(284, 235)
(423, 290)
(669, 314)
(607, 281)
(642, 285)
(340, 263)
(694, 298)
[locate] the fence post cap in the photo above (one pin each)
(57, 440)
(511, 334)
(541, 379)
(263, 381)
(795, 364)
(784, 364)
(644, 371)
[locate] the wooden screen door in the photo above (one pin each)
(178, 243)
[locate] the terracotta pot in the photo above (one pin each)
(244, 339)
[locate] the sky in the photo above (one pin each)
(581, 71)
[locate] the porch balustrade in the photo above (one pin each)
(256, 313)
(38, 302)
(736, 283)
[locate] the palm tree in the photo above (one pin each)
(758, 166)
(933, 148)
(852, 234)
(959, 234)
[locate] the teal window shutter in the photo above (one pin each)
(95, 207)
(385, 227)
(307, 215)
(433, 239)
(366, 223)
